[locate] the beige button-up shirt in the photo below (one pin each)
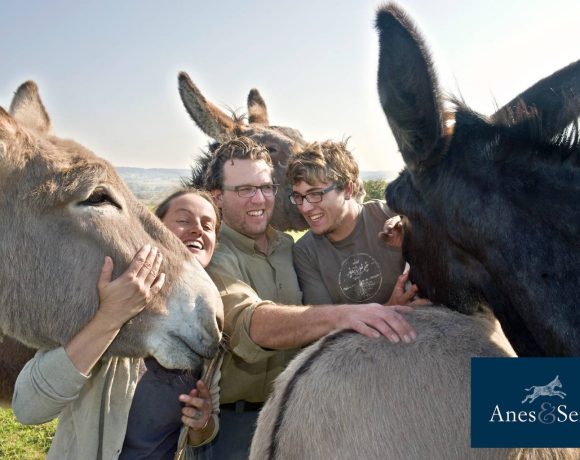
(247, 278)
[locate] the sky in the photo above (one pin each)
(107, 70)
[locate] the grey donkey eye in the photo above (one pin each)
(99, 197)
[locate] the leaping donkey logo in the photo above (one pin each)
(545, 390)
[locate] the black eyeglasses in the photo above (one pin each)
(311, 197)
(246, 191)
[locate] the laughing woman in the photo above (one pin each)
(156, 414)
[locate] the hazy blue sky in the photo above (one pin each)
(107, 70)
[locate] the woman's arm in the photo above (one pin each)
(52, 379)
(119, 301)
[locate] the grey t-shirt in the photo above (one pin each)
(358, 269)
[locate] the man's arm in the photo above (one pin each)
(240, 301)
(285, 326)
(257, 326)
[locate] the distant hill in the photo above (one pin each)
(152, 185)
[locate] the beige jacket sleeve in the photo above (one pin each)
(240, 301)
(46, 384)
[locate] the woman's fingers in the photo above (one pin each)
(153, 272)
(138, 261)
(147, 263)
(158, 284)
(144, 270)
(106, 273)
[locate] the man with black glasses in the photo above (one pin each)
(342, 259)
(263, 316)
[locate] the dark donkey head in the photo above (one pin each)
(220, 127)
(490, 205)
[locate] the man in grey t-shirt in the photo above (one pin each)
(342, 259)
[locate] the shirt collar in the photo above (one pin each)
(246, 243)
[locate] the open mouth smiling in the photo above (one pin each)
(195, 245)
(315, 217)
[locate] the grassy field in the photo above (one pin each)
(19, 442)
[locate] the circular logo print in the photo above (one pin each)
(359, 277)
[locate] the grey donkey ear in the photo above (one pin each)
(408, 88)
(257, 111)
(211, 120)
(9, 134)
(27, 108)
(8, 126)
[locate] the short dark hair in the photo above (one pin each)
(242, 148)
(163, 207)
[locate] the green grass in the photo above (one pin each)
(296, 234)
(20, 442)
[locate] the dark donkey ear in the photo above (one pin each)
(556, 98)
(211, 120)
(257, 108)
(408, 87)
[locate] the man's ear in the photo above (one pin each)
(217, 195)
(348, 190)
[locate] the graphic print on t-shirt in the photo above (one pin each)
(359, 277)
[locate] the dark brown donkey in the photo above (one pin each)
(219, 126)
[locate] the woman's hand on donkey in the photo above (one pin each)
(127, 295)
